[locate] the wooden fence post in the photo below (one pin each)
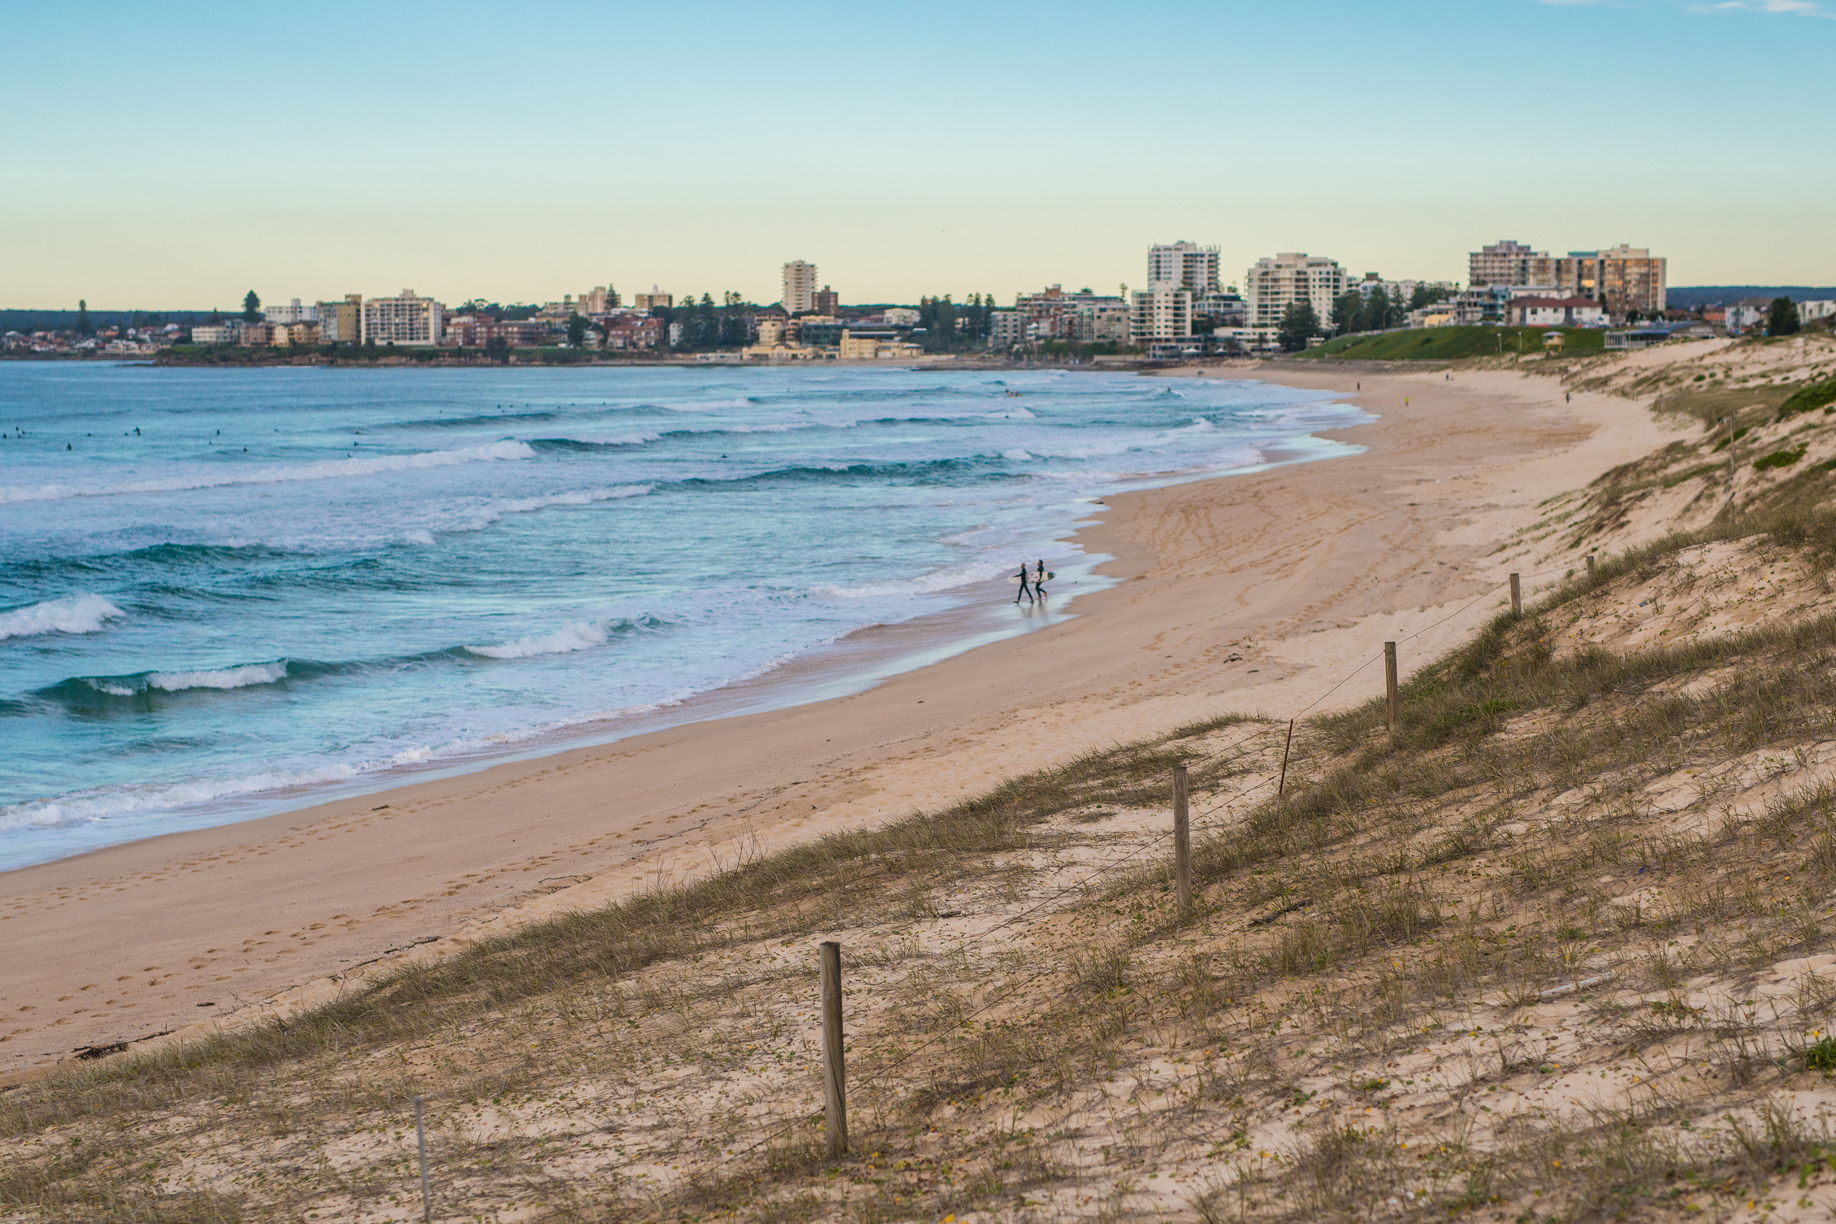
(1182, 841)
(420, 1138)
(835, 1102)
(1517, 597)
(1590, 565)
(1389, 686)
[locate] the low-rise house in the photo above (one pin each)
(880, 345)
(1748, 312)
(1555, 312)
(633, 332)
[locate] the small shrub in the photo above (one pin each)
(1816, 395)
(1780, 458)
(1821, 1056)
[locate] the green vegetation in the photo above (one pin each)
(1782, 317)
(1780, 458)
(251, 308)
(1816, 395)
(1453, 343)
(1299, 324)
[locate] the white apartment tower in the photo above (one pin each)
(1185, 265)
(1161, 313)
(1273, 285)
(403, 320)
(799, 287)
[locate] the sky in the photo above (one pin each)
(177, 155)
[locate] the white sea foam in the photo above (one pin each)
(1017, 455)
(82, 613)
(581, 635)
(225, 678)
(495, 509)
(327, 469)
(946, 579)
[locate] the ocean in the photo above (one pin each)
(225, 593)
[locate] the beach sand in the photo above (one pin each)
(1257, 593)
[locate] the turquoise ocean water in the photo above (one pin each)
(226, 592)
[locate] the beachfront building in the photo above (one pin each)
(1624, 278)
(1274, 284)
(341, 322)
(293, 312)
(876, 344)
(825, 301)
(216, 333)
(1008, 329)
(1821, 308)
(1160, 315)
(1508, 262)
(1054, 314)
(404, 320)
(799, 287)
(1555, 312)
(1183, 264)
(286, 335)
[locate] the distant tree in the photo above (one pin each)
(251, 307)
(1426, 294)
(1345, 311)
(576, 330)
(216, 316)
(83, 324)
(1299, 324)
(497, 349)
(1782, 318)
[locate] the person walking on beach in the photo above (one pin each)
(1024, 589)
(1039, 578)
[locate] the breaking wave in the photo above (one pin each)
(83, 613)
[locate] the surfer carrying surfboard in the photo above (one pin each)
(1039, 579)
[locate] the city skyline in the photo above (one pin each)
(316, 153)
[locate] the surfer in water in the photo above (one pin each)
(1024, 588)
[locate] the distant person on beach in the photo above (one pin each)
(1024, 589)
(1039, 580)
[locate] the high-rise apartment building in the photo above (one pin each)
(1160, 313)
(799, 287)
(1626, 278)
(825, 301)
(1508, 262)
(341, 322)
(402, 320)
(598, 300)
(1185, 265)
(656, 299)
(1274, 284)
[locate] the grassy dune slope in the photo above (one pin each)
(1564, 947)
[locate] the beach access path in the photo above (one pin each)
(1255, 593)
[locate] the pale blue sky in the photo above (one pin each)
(178, 154)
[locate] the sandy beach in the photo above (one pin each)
(1258, 593)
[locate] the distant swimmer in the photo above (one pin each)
(1024, 588)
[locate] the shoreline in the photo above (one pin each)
(981, 613)
(1251, 592)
